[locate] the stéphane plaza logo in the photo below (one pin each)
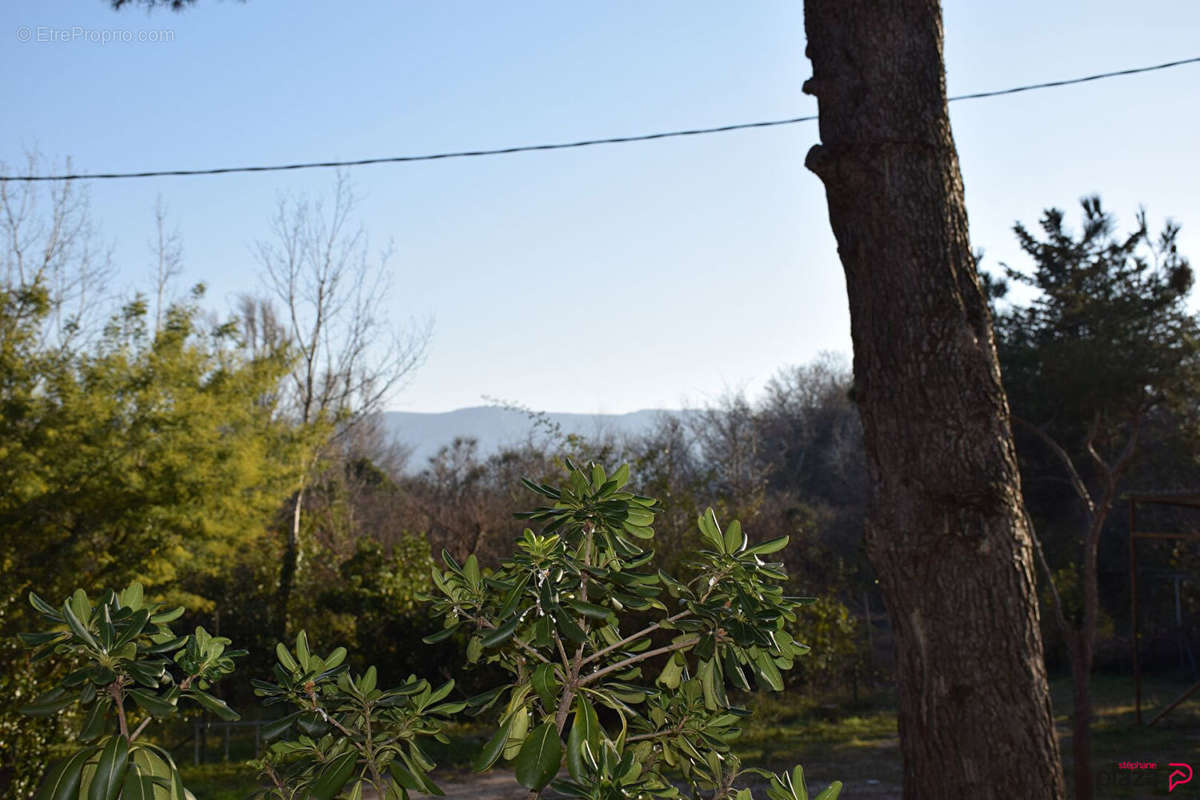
(1145, 773)
(1179, 777)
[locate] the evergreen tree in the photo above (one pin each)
(1105, 346)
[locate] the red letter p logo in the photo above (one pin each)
(1178, 777)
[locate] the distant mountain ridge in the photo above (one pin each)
(495, 427)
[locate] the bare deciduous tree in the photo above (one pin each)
(728, 440)
(49, 241)
(167, 249)
(327, 293)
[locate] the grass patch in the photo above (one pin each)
(853, 742)
(1117, 737)
(225, 781)
(236, 780)
(857, 742)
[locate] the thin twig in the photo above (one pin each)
(641, 737)
(138, 730)
(634, 636)
(482, 622)
(118, 697)
(1059, 615)
(671, 648)
(1076, 481)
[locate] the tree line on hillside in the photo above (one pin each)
(235, 463)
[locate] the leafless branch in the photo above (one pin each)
(167, 248)
(1076, 481)
(319, 267)
(1060, 616)
(592, 677)
(47, 238)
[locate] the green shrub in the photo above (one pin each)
(556, 618)
(836, 639)
(614, 667)
(348, 731)
(130, 669)
(25, 744)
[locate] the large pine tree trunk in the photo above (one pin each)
(946, 529)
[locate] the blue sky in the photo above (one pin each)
(605, 279)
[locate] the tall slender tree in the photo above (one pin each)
(327, 295)
(946, 529)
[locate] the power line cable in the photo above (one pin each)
(564, 145)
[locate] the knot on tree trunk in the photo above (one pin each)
(819, 161)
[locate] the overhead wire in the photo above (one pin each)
(645, 137)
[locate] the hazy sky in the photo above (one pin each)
(604, 279)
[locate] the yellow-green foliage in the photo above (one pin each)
(154, 455)
(373, 603)
(833, 633)
(148, 454)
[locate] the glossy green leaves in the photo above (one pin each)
(62, 782)
(539, 758)
(133, 671)
(585, 731)
(348, 734)
(634, 697)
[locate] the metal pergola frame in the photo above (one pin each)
(1191, 500)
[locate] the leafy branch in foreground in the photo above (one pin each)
(347, 731)
(131, 670)
(551, 616)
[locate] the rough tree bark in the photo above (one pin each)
(946, 531)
